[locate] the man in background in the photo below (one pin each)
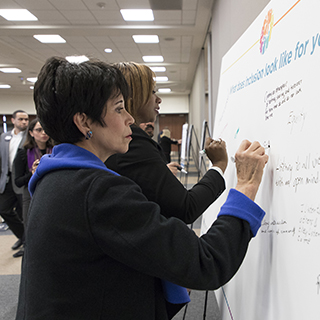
(148, 128)
(10, 194)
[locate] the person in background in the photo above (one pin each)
(148, 128)
(166, 142)
(27, 159)
(10, 194)
(96, 247)
(159, 135)
(145, 162)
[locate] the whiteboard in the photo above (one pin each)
(269, 91)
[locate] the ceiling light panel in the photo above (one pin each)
(17, 15)
(158, 69)
(77, 59)
(161, 79)
(49, 38)
(32, 79)
(137, 14)
(164, 90)
(10, 70)
(153, 58)
(145, 38)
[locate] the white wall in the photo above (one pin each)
(174, 104)
(10, 103)
(197, 97)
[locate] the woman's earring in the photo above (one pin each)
(89, 135)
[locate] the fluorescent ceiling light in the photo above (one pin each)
(164, 90)
(152, 58)
(5, 86)
(145, 38)
(49, 38)
(31, 87)
(137, 14)
(32, 79)
(108, 50)
(77, 59)
(161, 79)
(17, 15)
(158, 69)
(10, 70)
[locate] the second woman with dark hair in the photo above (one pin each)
(27, 159)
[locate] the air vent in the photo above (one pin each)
(166, 4)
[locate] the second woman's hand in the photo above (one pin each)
(217, 153)
(34, 166)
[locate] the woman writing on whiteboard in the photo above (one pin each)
(145, 162)
(96, 247)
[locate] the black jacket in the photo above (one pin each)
(145, 164)
(99, 249)
(96, 248)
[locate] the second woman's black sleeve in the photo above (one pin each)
(22, 173)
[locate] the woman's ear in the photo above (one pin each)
(82, 122)
(31, 133)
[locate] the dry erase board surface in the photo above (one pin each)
(269, 91)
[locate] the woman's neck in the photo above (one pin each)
(41, 145)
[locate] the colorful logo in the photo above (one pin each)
(266, 31)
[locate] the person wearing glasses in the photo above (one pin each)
(26, 161)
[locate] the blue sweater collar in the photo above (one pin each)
(66, 156)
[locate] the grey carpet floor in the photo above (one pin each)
(9, 285)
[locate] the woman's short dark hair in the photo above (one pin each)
(64, 89)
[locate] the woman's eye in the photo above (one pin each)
(119, 109)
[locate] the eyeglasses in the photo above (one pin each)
(39, 130)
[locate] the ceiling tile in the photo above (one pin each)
(50, 17)
(189, 4)
(136, 4)
(168, 16)
(34, 5)
(108, 16)
(189, 16)
(108, 5)
(73, 15)
(68, 4)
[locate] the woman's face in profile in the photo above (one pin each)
(115, 136)
(151, 109)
